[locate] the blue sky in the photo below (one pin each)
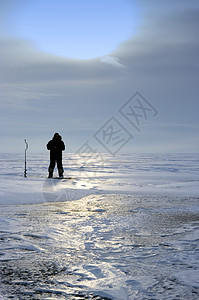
(76, 29)
(69, 66)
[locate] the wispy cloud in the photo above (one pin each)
(114, 61)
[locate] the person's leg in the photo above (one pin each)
(51, 168)
(60, 167)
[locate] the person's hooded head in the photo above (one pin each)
(57, 136)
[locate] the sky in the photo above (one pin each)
(115, 76)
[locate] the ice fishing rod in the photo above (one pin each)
(25, 171)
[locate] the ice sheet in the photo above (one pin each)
(101, 247)
(145, 173)
(124, 229)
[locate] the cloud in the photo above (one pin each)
(114, 61)
(166, 39)
(168, 42)
(21, 64)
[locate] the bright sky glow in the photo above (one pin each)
(77, 29)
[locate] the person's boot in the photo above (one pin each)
(61, 172)
(50, 170)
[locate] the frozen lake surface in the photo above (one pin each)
(124, 227)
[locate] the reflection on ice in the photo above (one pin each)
(129, 231)
(102, 247)
(172, 174)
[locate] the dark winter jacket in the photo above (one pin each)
(56, 146)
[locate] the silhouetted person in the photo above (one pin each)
(56, 146)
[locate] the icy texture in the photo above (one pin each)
(177, 174)
(127, 229)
